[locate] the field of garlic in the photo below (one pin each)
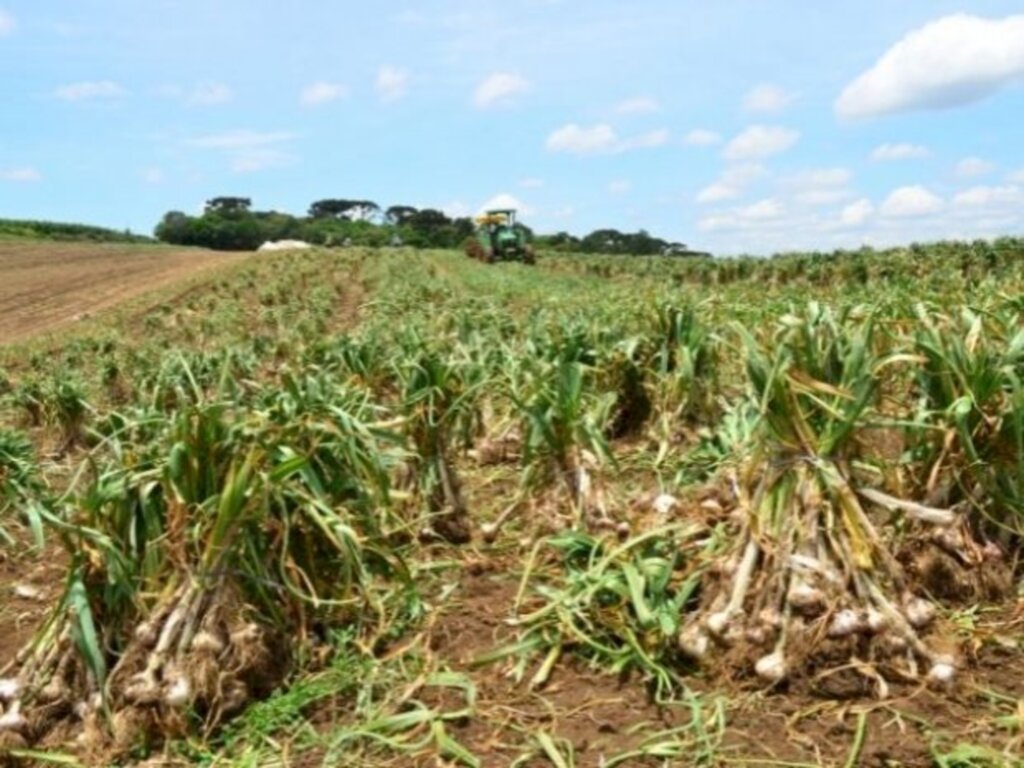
(749, 472)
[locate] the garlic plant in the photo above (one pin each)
(811, 559)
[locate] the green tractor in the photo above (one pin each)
(499, 238)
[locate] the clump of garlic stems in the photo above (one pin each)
(809, 564)
(256, 520)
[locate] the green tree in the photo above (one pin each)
(228, 206)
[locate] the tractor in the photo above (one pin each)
(499, 238)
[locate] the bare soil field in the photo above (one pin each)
(45, 286)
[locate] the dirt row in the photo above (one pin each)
(46, 287)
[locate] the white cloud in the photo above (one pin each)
(856, 213)
(637, 106)
(647, 140)
(701, 137)
(97, 89)
(762, 213)
(243, 139)
(7, 23)
(619, 187)
(976, 197)
(24, 174)
(767, 98)
(971, 167)
(391, 84)
(601, 139)
(577, 140)
(531, 183)
(717, 192)
(949, 62)
(322, 92)
(759, 141)
(209, 94)
(249, 151)
(1016, 176)
(763, 209)
(819, 186)
(260, 159)
(820, 177)
(911, 201)
(456, 209)
(822, 196)
(153, 175)
(504, 201)
(499, 89)
(887, 152)
(732, 183)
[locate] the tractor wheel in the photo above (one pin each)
(529, 256)
(475, 251)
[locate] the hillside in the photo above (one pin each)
(49, 286)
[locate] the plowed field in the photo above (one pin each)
(45, 287)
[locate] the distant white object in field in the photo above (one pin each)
(285, 245)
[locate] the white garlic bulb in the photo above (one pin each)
(844, 623)
(771, 667)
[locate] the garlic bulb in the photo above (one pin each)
(12, 719)
(991, 551)
(236, 694)
(844, 623)
(178, 692)
(147, 635)
(55, 690)
(757, 635)
(893, 642)
(770, 617)
(920, 613)
(142, 688)
(804, 597)
(489, 531)
(10, 688)
(207, 642)
(875, 621)
(712, 506)
(771, 667)
(694, 641)
(942, 671)
(718, 622)
(665, 503)
(246, 635)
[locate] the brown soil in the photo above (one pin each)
(50, 286)
(30, 582)
(602, 715)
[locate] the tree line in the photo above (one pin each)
(230, 223)
(60, 231)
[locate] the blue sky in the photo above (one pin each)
(734, 126)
